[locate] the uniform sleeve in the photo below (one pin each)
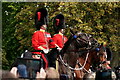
(35, 41)
(54, 41)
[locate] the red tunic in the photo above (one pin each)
(59, 40)
(41, 39)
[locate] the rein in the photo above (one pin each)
(81, 68)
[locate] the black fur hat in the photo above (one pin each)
(58, 22)
(41, 18)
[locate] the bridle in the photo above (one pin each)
(80, 39)
(88, 48)
(80, 68)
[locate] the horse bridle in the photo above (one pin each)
(82, 66)
(88, 42)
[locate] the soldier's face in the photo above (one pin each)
(62, 31)
(44, 27)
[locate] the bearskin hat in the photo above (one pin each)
(58, 22)
(41, 18)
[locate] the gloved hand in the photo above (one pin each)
(59, 49)
(45, 51)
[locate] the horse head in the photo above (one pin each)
(82, 50)
(85, 43)
(76, 45)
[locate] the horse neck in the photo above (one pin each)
(81, 73)
(86, 59)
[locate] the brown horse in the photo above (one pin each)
(91, 58)
(80, 52)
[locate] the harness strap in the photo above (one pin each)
(81, 68)
(87, 71)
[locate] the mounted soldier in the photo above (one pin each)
(59, 26)
(41, 38)
(30, 62)
(59, 39)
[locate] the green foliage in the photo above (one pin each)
(101, 19)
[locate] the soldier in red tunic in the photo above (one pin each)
(59, 26)
(58, 39)
(40, 38)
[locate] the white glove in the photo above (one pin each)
(59, 48)
(45, 51)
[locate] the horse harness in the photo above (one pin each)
(88, 48)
